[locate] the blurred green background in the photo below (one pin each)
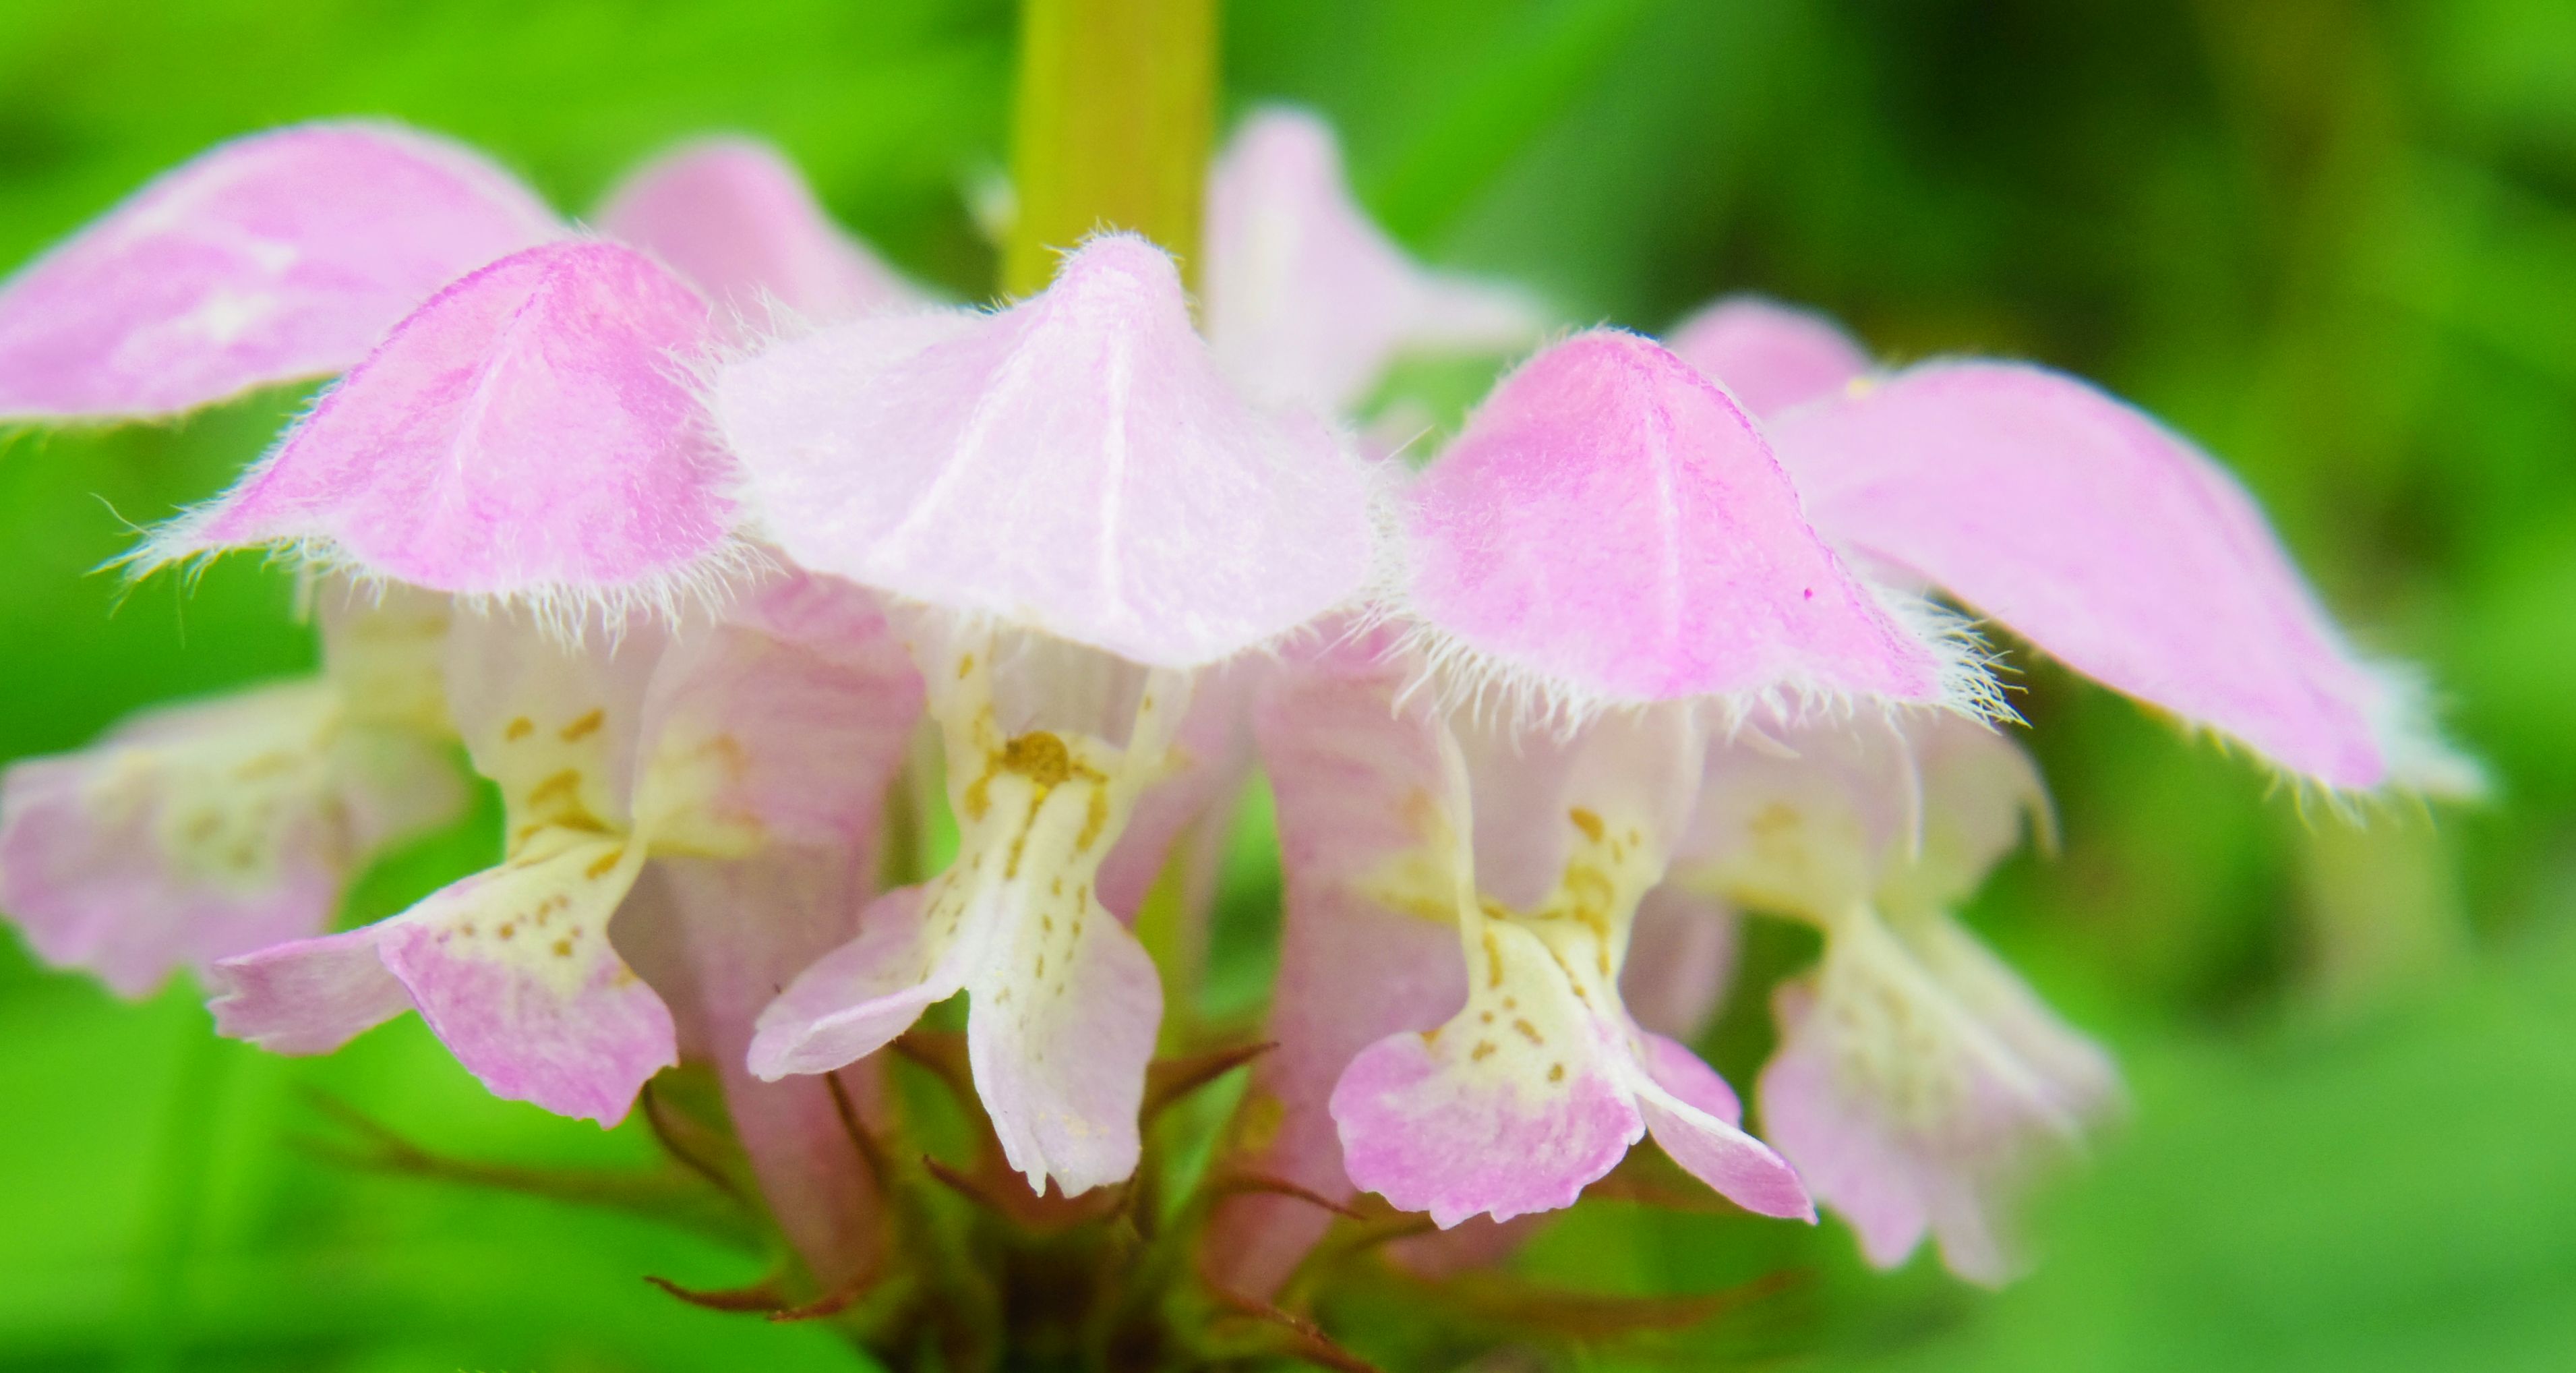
(2334, 241)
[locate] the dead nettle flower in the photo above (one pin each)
(196, 831)
(1080, 512)
(527, 435)
(1918, 1084)
(735, 219)
(1605, 563)
(1919, 1080)
(1307, 299)
(606, 754)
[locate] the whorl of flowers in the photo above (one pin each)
(705, 533)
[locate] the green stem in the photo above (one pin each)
(1117, 101)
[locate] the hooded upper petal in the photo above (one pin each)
(1769, 356)
(274, 258)
(736, 219)
(2111, 544)
(530, 428)
(1307, 299)
(1612, 524)
(1073, 464)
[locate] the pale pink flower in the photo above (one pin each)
(1085, 513)
(528, 432)
(201, 830)
(1919, 1084)
(1609, 541)
(736, 220)
(1307, 300)
(778, 728)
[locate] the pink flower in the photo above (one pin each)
(778, 727)
(1307, 300)
(527, 432)
(1611, 545)
(197, 831)
(1086, 513)
(736, 220)
(1919, 1083)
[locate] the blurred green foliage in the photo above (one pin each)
(2335, 241)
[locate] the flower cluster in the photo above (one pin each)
(713, 541)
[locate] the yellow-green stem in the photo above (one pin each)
(1117, 100)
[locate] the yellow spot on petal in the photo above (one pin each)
(519, 729)
(564, 785)
(604, 864)
(1484, 1049)
(1039, 756)
(1587, 822)
(268, 764)
(584, 727)
(1529, 1031)
(1556, 1072)
(563, 948)
(1094, 821)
